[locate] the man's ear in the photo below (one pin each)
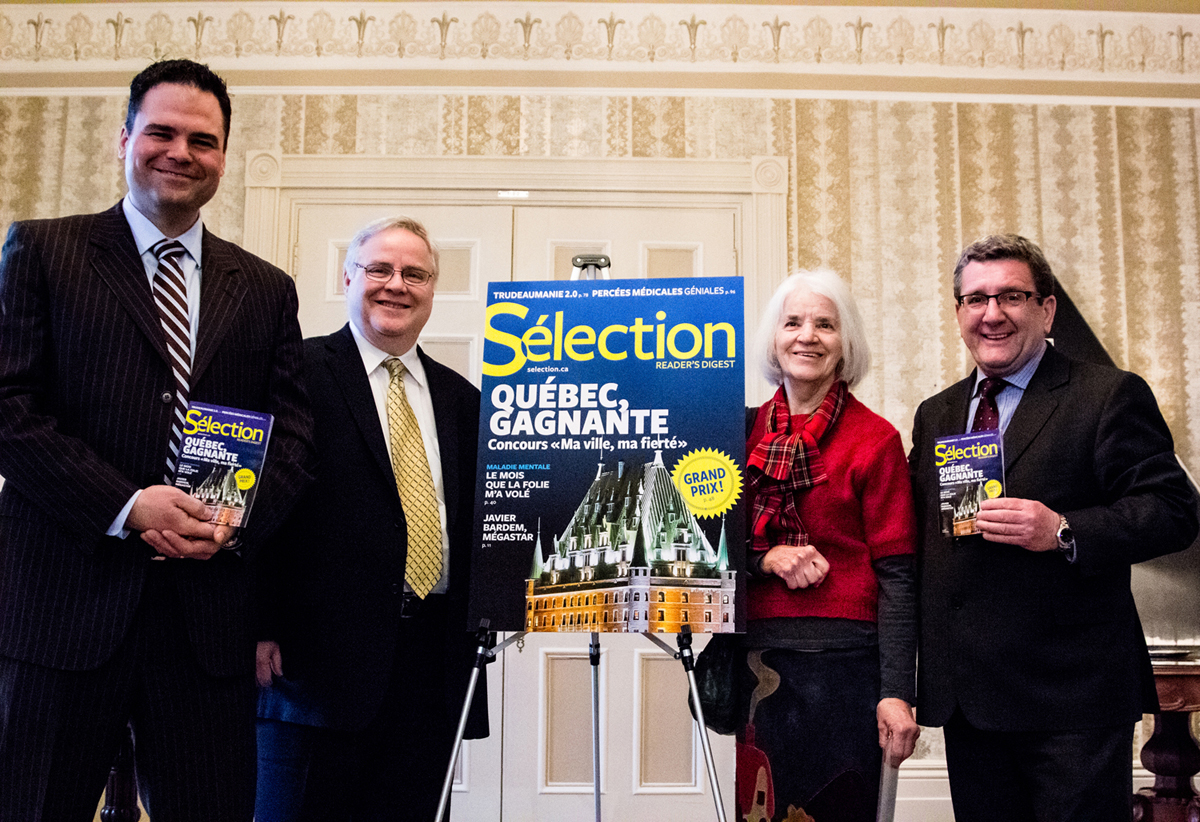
(1049, 304)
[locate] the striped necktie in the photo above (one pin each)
(414, 482)
(170, 295)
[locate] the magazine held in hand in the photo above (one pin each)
(221, 459)
(611, 454)
(970, 470)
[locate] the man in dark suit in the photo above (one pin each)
(367, 654)
(1031, 651)
(96, 365)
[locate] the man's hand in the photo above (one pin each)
(268, 662)
(798, 566)
(172, 545)
(165, 508)
(175, 524)
(1022, 522)
(898, 730)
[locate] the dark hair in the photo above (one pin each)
(182, 73)
(1007, 247)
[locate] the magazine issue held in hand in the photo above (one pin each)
(970, 470)
(221, 459)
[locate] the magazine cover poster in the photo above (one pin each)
(611, 457)
(221, 459)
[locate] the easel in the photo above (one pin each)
(586, 267)
(684, 640)
(488, 649)
(589, 267)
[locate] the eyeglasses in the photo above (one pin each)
(1005, 299)
(382, 272)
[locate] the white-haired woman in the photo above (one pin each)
(831, 636)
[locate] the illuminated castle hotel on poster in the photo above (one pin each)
(220, 492)
(633, 558)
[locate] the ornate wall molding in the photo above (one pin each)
(646, 39)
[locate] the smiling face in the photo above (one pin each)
(1002, 341)
(390, 314)
(808, 343)
(175, 155)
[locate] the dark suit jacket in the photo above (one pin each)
(1025, 641)
(85, 406)
(333, 580)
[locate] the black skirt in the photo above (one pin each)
(811, 742)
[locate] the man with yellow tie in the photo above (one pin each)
(365, 651)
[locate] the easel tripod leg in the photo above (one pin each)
(684, 638)
(594, 658)
(483, 654)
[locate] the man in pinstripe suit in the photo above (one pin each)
(95, 634)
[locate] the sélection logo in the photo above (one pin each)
(544, 341)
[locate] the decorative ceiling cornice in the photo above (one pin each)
(638, 42)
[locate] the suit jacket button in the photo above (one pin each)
(167, 397)
(396, 587)
(956, 603)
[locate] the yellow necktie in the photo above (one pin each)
(415, 484)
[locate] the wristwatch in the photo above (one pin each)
(1066, 539)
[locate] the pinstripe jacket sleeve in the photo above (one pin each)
(85, 391)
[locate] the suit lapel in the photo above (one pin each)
(950, 417)
(346, 370)
(1036, 406)
(221, 292)
(116, 261)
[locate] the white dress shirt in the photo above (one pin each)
(1009, 397)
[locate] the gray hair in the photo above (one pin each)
(1007, 247)
(377, 227)
(856, 355)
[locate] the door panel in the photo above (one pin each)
(641, 241)
(651, 762)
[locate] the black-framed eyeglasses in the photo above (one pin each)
(382, 272)
(1005, 299)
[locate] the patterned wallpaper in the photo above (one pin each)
(884, 192)
(883, 189)
(634, 36)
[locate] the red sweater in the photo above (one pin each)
(861, 513)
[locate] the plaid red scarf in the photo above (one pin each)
(784, 463)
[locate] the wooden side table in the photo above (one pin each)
(1171, 754)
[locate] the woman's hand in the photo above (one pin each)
(798, 566)
(898, 730)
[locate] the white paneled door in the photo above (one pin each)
(647, 242)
